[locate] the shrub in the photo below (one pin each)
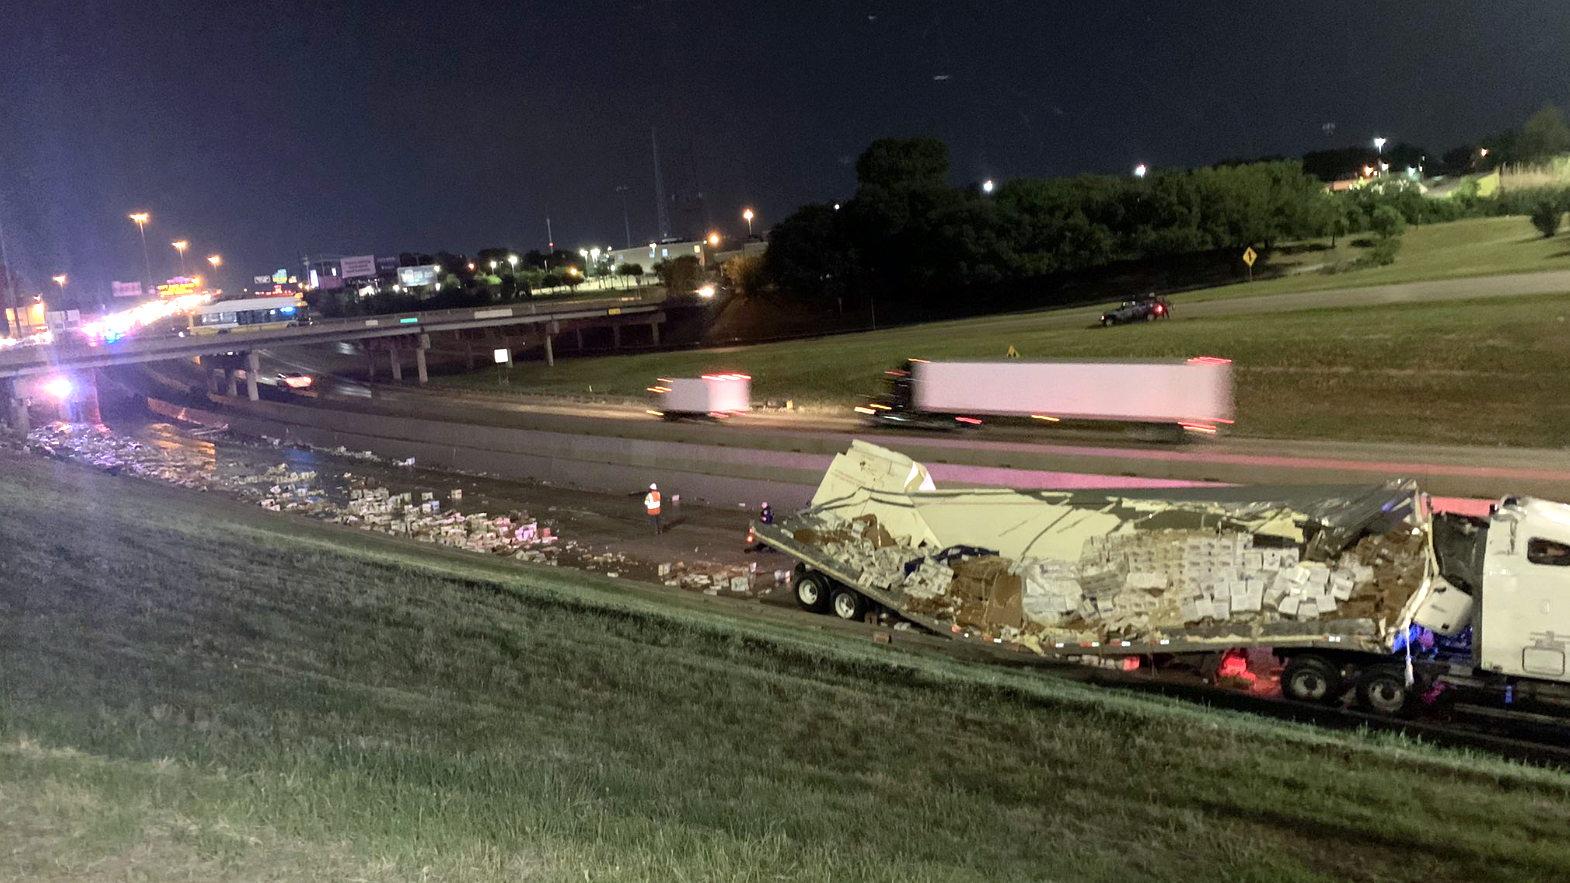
(1383, 252)
(1546, 214)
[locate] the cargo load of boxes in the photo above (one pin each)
(1099, 566)
(1128, 585)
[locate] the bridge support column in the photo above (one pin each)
(579, 331)
(654, 330)
(215, 379)
(370, 359)
(550, 357)
(419, 358)
(253, 367)
(234, 382)
(397, 363)
(615, 337)
(468, 351)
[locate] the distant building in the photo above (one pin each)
(708, 256)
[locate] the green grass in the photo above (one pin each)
(196, 690)
(1474, 372)
(1459, 249)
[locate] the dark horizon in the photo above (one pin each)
(379, 128)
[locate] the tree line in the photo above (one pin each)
(909, 236)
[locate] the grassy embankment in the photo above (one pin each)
(1479, 372)
(197, 690)
(1457, 250)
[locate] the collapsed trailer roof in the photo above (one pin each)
(868, 480)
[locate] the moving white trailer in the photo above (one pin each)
(1358, 590)
(1195, 394)
(712, 395)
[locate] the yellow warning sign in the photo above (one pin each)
(1013, 353)
(1250, 256)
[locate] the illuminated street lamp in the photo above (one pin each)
(216, 260)
(141, 224)
(714, 239)
(1141, 170)
(747, 213)
(180, 245)
(493, 268)
(513, 259)
(988, 186)
(60, 281)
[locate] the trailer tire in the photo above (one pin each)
(1310, 678)
(849, 605)
(812, 592)
(1382, 689)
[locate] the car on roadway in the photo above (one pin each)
(296, 380)
(1147, 308)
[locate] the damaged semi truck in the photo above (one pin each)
(1360, 591)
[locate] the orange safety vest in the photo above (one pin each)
(652, 502)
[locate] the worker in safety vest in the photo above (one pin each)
(651, 505)
(765, 516)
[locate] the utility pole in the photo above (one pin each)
(662, 215)
(626, 223)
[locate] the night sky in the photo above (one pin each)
(270, 129)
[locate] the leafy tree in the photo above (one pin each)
(809, 254)
(744, 275)
(1547, 213)
(1387, 222)
(681, 275)
(1544, 136)
(633, 270)
(900, 163)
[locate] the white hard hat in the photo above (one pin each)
(653, 487)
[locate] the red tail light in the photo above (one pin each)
(1160, 309)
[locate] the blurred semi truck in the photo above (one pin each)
(1193, 394)
(1359, 591)
(709, 396)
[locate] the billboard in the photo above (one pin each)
(413, 277)
(358, 267)
(387, 264)
(262, 280)
(127, 289)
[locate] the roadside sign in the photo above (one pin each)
(1013, 353)
(1250, 256)
(501, 355)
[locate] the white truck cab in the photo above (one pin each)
(1523, 619)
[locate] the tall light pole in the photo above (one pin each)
(141, 224)
(180, 245)
(626, 222)
(1379, 148)
(60, 281)
(747, 213)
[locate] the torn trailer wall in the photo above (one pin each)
(1209, 566)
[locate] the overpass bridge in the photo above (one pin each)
(26, 365)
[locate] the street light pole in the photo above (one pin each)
(180, 245)
(748, 215)
(141, 224)
(625, 221)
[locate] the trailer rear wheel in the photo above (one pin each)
(1382, 689)
(1310, 678)
(812, 592)
(849, 604)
